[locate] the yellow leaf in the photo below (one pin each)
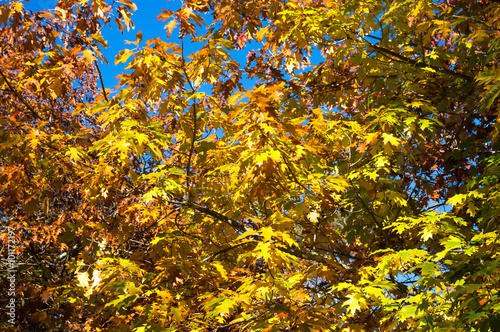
(126, 19)
(371, 138)
(225, 307)
(263, 250)
(221, 270)
(96, 281)
(267, 233)
(260, 35)
(397, 197)
(88, 55)
(456, 200)
(17, 7)
(177, 313)
(236, 98)
(355, 303)
(245, 234)
(289, 240)
(83, 279)
(123, 56)
(381, 161)
(313, 216)
(170, 27)
(275, 155)
(73, 153)
(472, 209)
(389, 138)
(427, 233)
(480, 35)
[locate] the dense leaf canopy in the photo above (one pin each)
(343, 176)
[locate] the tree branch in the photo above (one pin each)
(211, 257)
(310, 256)
(389, 53)
(193, 140)
(11, 88)
(102, 81)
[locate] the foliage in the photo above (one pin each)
(352, 187)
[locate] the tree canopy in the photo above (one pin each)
(312, 166)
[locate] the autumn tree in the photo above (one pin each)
(343, 177)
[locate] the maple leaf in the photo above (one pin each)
(313, 216)
(89, 56)
(267, 233)
(170, 26)
(83, 279)
(354, 303)
(45, 296)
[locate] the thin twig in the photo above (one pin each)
(211, 257)
(102, 81)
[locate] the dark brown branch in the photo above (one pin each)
(30, 108)
(193, 140)
(310, 256)
(102, 81)
(212, 213)
(389, 53)
(211, 257)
